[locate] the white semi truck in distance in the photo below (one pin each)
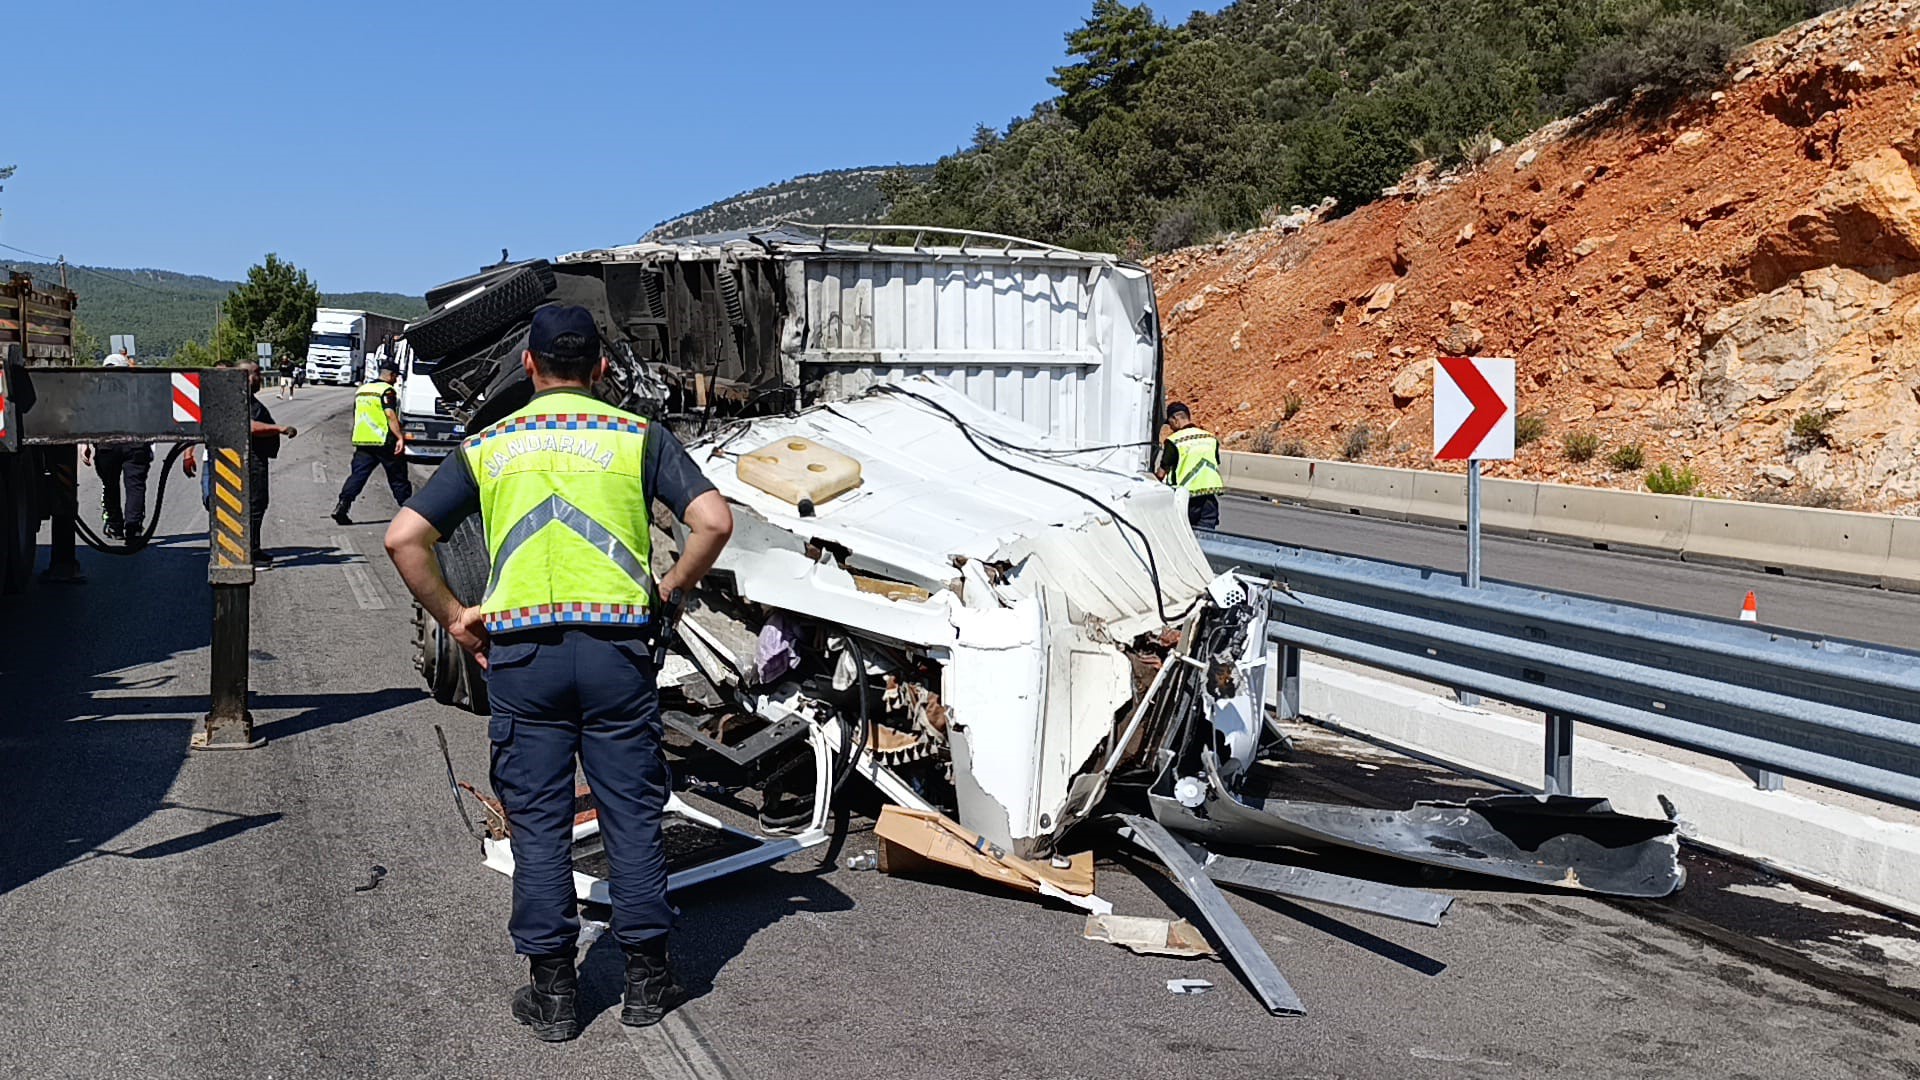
(341, 340)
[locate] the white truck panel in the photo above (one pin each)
(1057, 345)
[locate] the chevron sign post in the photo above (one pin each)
(1473, 413)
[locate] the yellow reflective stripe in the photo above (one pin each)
(232, 546)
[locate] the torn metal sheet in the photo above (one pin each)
(1573, 843)
(1148, 936)
(1354, 894)
(1263, 978)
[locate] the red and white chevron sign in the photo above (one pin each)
(1472, 409)
(186, 397)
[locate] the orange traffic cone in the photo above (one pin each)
(1750, 611)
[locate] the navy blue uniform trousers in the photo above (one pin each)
(1203, 511)
(368, 458)
(590, 693)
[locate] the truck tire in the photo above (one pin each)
(453, 678)
(440, 294)
(481, 317)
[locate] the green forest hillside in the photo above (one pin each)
(164, 310)
(842, 196)
(1163, 133)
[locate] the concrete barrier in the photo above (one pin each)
(1871, 548)
(1440, 498)
(1370, 489)
(1829, 543)
(1271, 475)
(1509, 506)
(1628, 519)
(1903, 556)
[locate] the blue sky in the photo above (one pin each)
(396, 145)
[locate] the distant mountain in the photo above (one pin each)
(163, 310)
(844, 195)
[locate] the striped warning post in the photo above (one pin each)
(186, 397)
(229, 506)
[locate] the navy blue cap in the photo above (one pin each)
(564, 331)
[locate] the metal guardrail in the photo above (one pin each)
(1833, 712)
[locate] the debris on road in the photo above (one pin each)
(1300, 883)
(918, 841)
(1149, 936)
(1256, 967)
(1189, 986)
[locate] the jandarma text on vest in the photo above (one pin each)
(531, 442)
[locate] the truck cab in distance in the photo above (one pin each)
(341, 340)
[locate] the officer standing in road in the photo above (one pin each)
(1190, 459)
(563, 489)
(379, 442)
(118, 465)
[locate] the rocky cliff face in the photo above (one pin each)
(1733, 288)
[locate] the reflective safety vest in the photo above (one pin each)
(1198, 467)
(370, 427)
(563, 499)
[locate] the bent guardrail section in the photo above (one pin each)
(1875, 549)
(1837, 713)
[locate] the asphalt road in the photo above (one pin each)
(174, 914)
(1828, 608)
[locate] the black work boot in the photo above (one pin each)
(340, 514)
(652, 991)
(546, 1003)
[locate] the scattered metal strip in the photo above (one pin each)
(1354, 894)
(1255, 965)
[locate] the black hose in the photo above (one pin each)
(854, 749)
(134, 544)
(1153, 565)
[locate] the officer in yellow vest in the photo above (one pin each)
(1190, 459)
(378, 442)
(562, 487)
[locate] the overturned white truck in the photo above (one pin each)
(952, 572)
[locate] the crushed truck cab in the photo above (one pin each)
(952, 572)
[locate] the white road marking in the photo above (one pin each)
(319, 473)
(366, 590)
(676, 1049)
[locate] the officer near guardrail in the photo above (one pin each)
(379, 442)
(562, 487)
(1190, 459)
